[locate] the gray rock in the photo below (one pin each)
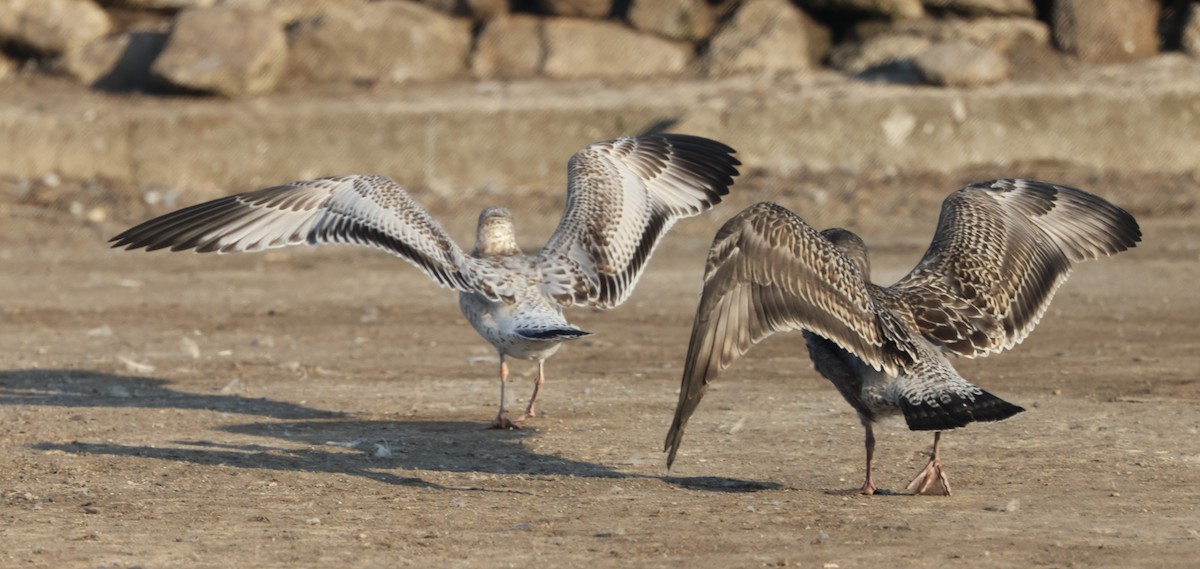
(890, 9)
(1191, 30)
(962, 64)
(392, 42)
(478, 10)
(596, 9)
(51, 27)
(288, 12)
(763, 36)
(572, 46)
(8, 68)
(878, 51)
(1107, 32)
(975, 8)
(118, 63)
(509, 47)
(686, 20)
(1000, 34)
(166, 5)
(230, 51)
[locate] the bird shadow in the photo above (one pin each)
(84, 388)
(375, 450)
(307, 439)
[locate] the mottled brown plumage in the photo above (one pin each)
(1001, 250)
(622, 196)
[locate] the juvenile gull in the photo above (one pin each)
(1001, 250)
(622, 196)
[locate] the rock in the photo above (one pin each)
(166, 5)
(999, 34)
(890, 9)
(8, 68)
(230, 51)
(763, 36)
(392, 42)
(1191, 30)
(51, 27)
(961, 64)
(572, 46)
(118, 63)
(1106, 32)
(878, 51)
(478, 10)
(596, 9)
(509, 47)
(685, 20)
(976, 8)
(289, 12)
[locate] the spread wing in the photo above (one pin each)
(1001, 250)
(360, 210)
(622, 196)
(769, 271)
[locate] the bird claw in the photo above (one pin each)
(503, 422)
(931, 481)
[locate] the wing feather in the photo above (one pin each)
(371, 211)
(1001, 250)
(768, 271)
(622, 197)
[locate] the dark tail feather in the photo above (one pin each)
(548, 334)
(958, 412)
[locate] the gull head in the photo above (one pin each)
(852, 246)
(494, 236)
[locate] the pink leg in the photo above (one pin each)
(529, 411)
(932, 479)
(502, 421)
(868, 486)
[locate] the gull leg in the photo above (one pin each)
(502, 421)
(868, 486)
(932, 479)
(529, 412)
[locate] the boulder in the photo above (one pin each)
(878, 51)
(685, 20)
(289, 12)
(118, 63)
(1107, 32)
(585, 48)
(890, 9)
(234, 52)
(392, 42)
(51, 27)
(1000, 34)
(509, 47)
(478, 10)
(1191, 30)
(8, 68)
(961, 64)
(976, 8)
(763, 36)
(596, 9)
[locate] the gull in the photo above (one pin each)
(1001, 250)
(622, 197)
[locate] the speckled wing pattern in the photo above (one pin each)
(1001, 250)
(768, 271)
(372, 211)
(622, 196)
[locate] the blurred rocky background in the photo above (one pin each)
(245, 48)
(161, 98)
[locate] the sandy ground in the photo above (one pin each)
(325, 408)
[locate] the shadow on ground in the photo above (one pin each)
(83, 388)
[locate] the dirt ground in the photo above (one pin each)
(325, 408)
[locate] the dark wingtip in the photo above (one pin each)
(953, 411)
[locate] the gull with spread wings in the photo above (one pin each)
(622, 196)
(1001, 250)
